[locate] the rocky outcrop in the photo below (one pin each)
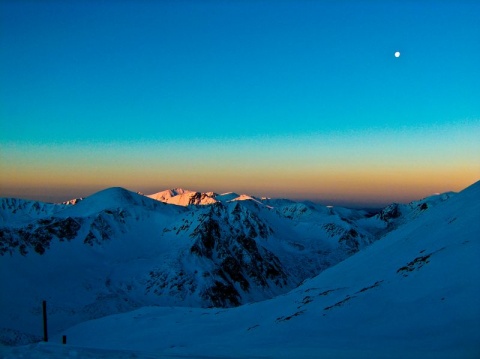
(38, 235)
(233, 262)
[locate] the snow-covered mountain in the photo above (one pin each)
(15, 210)
(183, 197)
(414, 294)
(117, 250)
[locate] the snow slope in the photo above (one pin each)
(412, 294)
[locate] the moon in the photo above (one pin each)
(397, 54)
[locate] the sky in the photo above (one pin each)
(297, 99)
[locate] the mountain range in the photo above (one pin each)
(247, 271)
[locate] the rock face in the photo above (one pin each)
(390, 213)
(117, 250)
(226, 243)
(397, 214)
(228, 239)
(38, 235)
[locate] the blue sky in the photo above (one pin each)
(162, 84)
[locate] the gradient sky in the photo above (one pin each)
(298, 99)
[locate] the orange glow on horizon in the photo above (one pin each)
(344, 186)
(388, 167)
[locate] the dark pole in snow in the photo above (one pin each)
(45, 332)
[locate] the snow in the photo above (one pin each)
(14, 211)
(169, 193)
(225, 197)
(112, 275)
(373, 308)
(110, 198)
(414, 293)
(182, 197)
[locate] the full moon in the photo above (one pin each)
(397, 54)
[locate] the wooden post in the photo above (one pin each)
(45, 331)
(64, 339)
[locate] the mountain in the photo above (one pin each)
(412, 294)
(116, 251)
(183, 197)
(14, 210)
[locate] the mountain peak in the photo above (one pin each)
(164, 195)
(113, 197)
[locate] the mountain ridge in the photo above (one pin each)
(414, 293)
(222, 254)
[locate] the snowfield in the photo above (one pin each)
(410, 291)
